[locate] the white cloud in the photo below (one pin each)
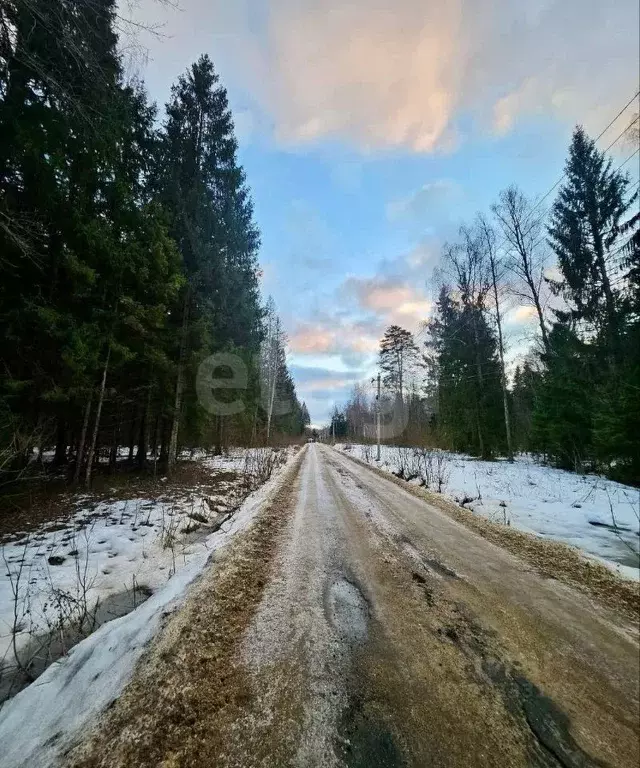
(405, 73)
(428, 199)
(401, 73)
(524, 314)
(391, 300)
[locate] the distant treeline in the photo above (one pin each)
(128, 253)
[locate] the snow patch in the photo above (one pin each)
(42, 721)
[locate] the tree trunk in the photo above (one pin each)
(217, 450)
(272, 398)
(543, 327)
(141, 457)
(154, 436)
(113, 454)
(254, 426)
(96, 425)
(480, 435)
(115, 448)
(503, 377)
(177, 406)
(83, 438)
(164, 444)
(480, 392)
(60, 456)
(612, 318)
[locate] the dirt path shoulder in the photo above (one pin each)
(189, 690)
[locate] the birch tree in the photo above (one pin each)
(522, 227)
(496, 270)
(272, 360)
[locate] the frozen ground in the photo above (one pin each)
(59, 582)
(39, 723)
(599, 516)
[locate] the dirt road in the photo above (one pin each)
(374, 630)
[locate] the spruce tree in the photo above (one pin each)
(468, 398)
(596, 246)
(204, 190)
(562, 425)
(585, 221)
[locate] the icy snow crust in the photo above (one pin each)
(40, 722)
(598, 516)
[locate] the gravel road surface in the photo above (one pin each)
(357, 625)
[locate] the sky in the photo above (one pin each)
(370, 130)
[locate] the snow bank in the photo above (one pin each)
(598, 516)
(98, 553)
(40, 722)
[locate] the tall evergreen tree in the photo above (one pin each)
(127, 254)
(526, 382)
(468, 398)
(562, 427)
(304, 416)
(398, 358)
(595, 246)
(585, 221)
(204, 191)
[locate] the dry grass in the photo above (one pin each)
(59, 503)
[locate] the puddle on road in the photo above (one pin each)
(347, 610)
(364, 742)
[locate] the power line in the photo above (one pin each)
(631, 156)
(620, 135)
(599, 136)
(503, 240)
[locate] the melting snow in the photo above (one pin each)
(113, 546)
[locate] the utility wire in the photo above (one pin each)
(503, 240)
(620, 135)
(633, 98)
(615, 141)
(627, 160)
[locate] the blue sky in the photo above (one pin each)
(371, 129)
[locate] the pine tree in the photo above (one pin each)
(398, 358)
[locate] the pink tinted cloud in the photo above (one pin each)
(392, 299)
(400, 73)
(333, 338)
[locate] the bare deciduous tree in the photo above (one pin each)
(272, 360)
(496, 268)
(522, 226)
